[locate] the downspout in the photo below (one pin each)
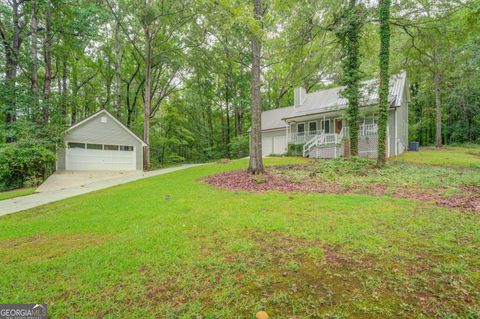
(396, 133)
(288, 128)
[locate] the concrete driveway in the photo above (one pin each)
(69, 179)
(63, 185)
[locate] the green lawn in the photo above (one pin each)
(16, 193)
(448, 156)
(173, 247)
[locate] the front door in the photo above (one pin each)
(338, 126)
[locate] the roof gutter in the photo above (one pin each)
(334, 109)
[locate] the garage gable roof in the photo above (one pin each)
(105, 112)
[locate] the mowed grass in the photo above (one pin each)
(173, 247)
(16, 193)
(467, 156)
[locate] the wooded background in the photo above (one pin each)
(182, 68)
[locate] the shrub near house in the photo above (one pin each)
(24, 164)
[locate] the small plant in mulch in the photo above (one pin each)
(354, 165)
(357, 176)
(260, 179)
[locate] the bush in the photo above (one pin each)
(25, 164)
(353, 165)
(295, 150)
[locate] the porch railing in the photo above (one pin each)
(324, 139)
(302, 137)
(368, 129)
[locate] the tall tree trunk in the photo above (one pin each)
(118, 58)
(236, 109)
(384, 59)
(47, 56)
(438, 108)
(64, 89)
(74, 94)
(146, 113)
(34, 75)
(353, 76)
(256, 164)
(235, 100)
(12, 50)
(224, 143)
(227, 111)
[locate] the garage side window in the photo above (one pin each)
(76, 145)
(94, 146)
(126, 148)
(110, 147)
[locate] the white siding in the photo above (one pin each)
(96, 131)
(274, 142)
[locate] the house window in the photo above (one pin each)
(326, 126)
(312, 126)
(94, 146)
(126, 148)
(76, 145)
(103, 119)
(301, 128)
(110, 147)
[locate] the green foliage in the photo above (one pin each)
(25, 164)
(201, 67)
(240, 143)
(295, 150)
(447, 169)
(384, 63)
(348, 32)
(353, 165)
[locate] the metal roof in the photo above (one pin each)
(331, 100)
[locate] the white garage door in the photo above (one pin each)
(267, 145)
(279, 145)
(92, 157)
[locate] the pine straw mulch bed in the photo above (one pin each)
(467, 198)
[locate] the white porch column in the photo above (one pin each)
(287, 130)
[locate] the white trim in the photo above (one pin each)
(396, 133)
(113, 117)
(273, 130)
(286, 136)
(388, 140)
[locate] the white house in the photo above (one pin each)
(100, 142)
(318, 121)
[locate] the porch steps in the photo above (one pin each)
(324, 139)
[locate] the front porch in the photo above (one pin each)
(324, 137)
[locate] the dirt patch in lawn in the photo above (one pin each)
(44, 247)
(467, 198)
(247, 270)
(288, 272)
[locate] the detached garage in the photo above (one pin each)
(100, 142)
